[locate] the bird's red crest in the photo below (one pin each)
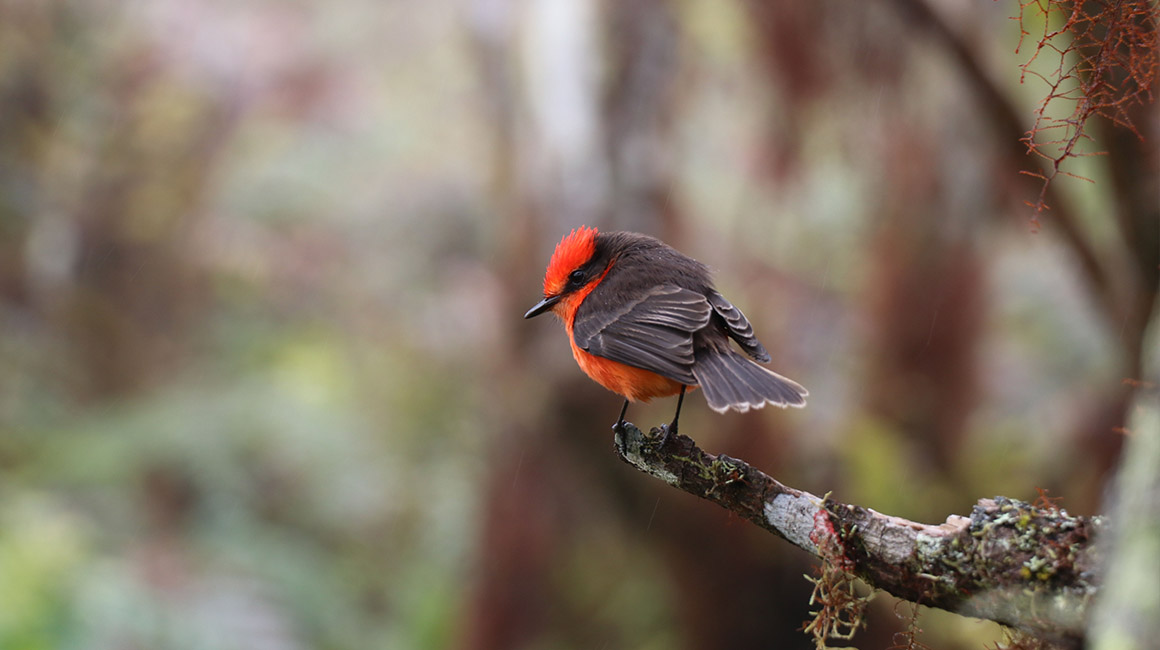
(576, 248)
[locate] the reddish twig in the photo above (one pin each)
(1104, 57)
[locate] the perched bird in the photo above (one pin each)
(644, 321)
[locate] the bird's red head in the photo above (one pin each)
(564, 277)
(576, 248)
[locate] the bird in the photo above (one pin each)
(644, 321)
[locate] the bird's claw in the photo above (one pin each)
(618, 438)
(667, 432)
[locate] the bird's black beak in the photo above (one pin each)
(542, 306)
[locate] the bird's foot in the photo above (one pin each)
(667, 431)
(618, 441)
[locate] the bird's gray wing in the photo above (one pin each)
(653, 331)
(738, 327)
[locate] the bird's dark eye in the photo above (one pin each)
(576, 276)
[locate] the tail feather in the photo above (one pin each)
(729, 380)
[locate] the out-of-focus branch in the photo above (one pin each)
(1010, 127)
(1031, 568)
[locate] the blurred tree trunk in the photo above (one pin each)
(137, 291)
(1127, 616)
(96, 246)
(1134, 165)
(639, 104)
(546, 175)
(927, 307)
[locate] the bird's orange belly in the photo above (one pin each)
(635, 384)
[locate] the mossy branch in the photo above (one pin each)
(1028, 567)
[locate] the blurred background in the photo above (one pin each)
(264, 376)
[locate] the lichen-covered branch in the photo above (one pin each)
(1031, 568)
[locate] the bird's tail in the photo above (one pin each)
(730, 380)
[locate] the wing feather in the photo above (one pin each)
(738, 327)
(654, 331)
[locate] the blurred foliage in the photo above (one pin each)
(263, 380)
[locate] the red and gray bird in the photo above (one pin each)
(644, 321)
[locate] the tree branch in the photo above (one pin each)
(1031, 568)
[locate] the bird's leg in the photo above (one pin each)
(671, 429)
(620, 420)
(618, 431)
